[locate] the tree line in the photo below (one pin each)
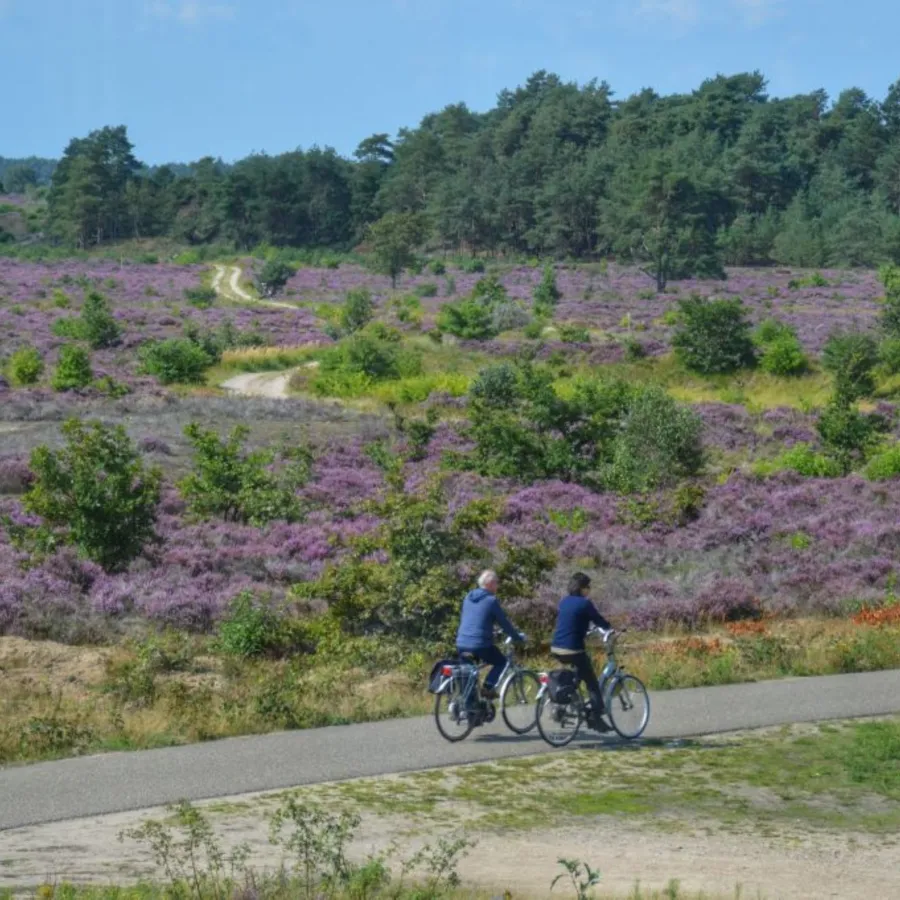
(682, 184)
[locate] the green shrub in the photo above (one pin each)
(426, 289)
(99, 327)
(496, 387)
(239, 486)
(851, 357)
(574, 334)
(805, 461)
(658, 443)
(436, 267)
(884, 465)
(772, 330)
(251, 629)
(357, 310)
(408, 309)
(367, 357)
(472, 266)
(784, 357)
(450, 286)
(713, 336)
(889, 355)
(95, 493)
(467, 319)
(71, 328)
(534, 329)
(61, 300)
(25, 366)
(546, 294)
(274, 275)
(848, 434)
(73, 370)
(201, 297)
(175, 361)
(634, 350)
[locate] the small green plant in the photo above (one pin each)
(784, 357)
(98, 326)
(634, 350)
(889, 355)
(426, 289)
(436, 267)
(357, 310)
(467, 319)
(816, 280)
(200, 297)
(25, 366)
(472, 266)
(95, 493)
(573, 520)
(175, 361)
(546, 294)
(250, 628)
(73, 369)
(534, 329)
(851, 357)
(574, 334)
(848, 434)
(450, 286)
(581, 876)
(884, 465)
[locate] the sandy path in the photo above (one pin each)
(259, 384)
(794, 867)
(232, 290)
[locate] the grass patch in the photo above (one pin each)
(179, 691)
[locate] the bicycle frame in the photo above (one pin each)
(610, 669)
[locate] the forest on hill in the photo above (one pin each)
(689, 183)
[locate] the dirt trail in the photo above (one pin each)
(232, 290)
(259, 384)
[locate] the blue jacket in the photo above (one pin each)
(576, 614)
(480, 610)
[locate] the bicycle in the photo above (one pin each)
(623, 695)
(459, 703)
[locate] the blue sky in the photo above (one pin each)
(228, 77)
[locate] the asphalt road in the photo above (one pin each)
(117, 782)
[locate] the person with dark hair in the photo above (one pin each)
(575, 616)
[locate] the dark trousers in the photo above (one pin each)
(493, 656)
(585, 670)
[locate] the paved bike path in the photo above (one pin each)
(117, 782)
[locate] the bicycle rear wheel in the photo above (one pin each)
(517, 701)
(628, 706)
(453, 721)
(558, 723)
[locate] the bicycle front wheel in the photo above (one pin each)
(628, 706)
(453, 721)
(558, 723)
(518, 701)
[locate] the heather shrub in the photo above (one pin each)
(658, 443)
(713, 336)
(357, 310)
(25, 366)
(175, 361)
(95, 493)
(238, 486)
(884, 465)
(851, 357)
(73, 370)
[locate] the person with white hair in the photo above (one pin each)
(480, 612)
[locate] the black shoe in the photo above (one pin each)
(489, 693)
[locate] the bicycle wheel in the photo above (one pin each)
(452, 720)
(628, 706)
(517, 701)
(558, 723)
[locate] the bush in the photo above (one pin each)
(467, 319)
(574, 334)
(251, 629)
(851, 357)
(534, 329)
(472, 266)
(805, 461)
(546, 294)
(848, 434)
(784, 357)
(659, 442)
(634, 350)
(889, 355)
(427, 289)
(361, 359)
(884, 465)
(713, 336)
(274, 275)
(94, 493)
(99, 328)
(175, 361)
(357, 310)
(890, 316)
(436, 267)
(509, 315)
(771, 330)
(238, 486)
(73, 371)
(25, 366)
(200, 298)
(496, 387)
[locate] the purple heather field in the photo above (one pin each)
(791, 544)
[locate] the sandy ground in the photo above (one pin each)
(820, 865)
(259, 384)
(232, 289)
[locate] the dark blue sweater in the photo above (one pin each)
(576, 614)
(480, 610)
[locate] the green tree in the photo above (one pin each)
(99, 327)
(713, 336)
(175, 361)
(274, 275)
(851, 357)
(239, 486)
(357, 311)
(95, 493)
(73, 370)
(394, 237)
(19, 178)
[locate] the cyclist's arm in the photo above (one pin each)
(596, 618)
(501, 619)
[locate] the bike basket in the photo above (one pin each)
(561, 685)
(442, 669)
